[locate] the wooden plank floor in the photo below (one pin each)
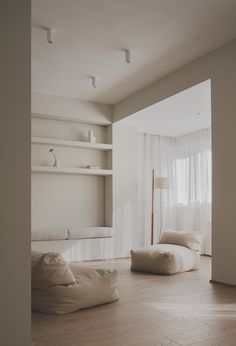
(183, 309)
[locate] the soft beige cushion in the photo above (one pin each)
(35, 257)
(191, 240)
(51, 270)
(164, 259)
(92, 287)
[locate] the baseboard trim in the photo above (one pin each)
(221, 283)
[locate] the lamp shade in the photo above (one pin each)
(162, 183)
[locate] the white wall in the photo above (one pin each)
(219, 66)
(15, 65)
(126, 190)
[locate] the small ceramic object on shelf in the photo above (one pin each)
(56, 162)
(91, 137)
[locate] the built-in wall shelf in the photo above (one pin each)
(71, 119)
(69, 143)
(72, 196)
(64, 170)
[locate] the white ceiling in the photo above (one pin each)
(90, 36)
(185, 112)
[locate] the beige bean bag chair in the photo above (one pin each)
(176, 252)
(59, 288)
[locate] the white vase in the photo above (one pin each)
(90, 136)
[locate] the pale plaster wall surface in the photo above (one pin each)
(127, 193)
(220, 67)
(15, 295)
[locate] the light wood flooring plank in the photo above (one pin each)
(153, 310)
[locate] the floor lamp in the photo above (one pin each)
(161, 183)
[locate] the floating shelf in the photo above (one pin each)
(67, 143)
(71, 119)
(64, 170)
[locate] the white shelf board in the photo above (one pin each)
(65, 170)
(68, 143)
(71, 119)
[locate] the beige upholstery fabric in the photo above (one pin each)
(35, 257)
(191, 240)
(164, 259)
(91, 287)
(51, 270)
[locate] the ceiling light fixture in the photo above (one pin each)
(50, 35)
(127, 56)
(94, 81)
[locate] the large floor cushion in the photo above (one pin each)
(191, 240)
(74, 288)
(164, 259)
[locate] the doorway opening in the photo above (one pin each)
(173, 138)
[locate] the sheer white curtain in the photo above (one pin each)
(158, 155)
(186, 160)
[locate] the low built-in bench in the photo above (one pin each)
(85, 243)
(67, 234)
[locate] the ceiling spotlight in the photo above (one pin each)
(50, 35)
(94, 81)
(127, 56)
